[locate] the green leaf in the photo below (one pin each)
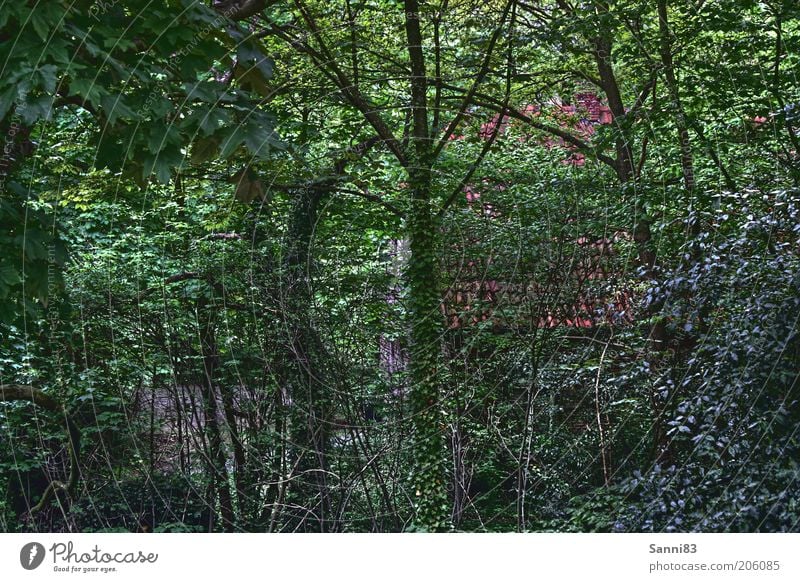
(162, 136)
(203, 90)
(204, 149)
(251, 57)
(163, 170)
(260, 139)
(161, 164)
(207, 118)
(214, 119)
(89, 89)
(40, 22)
(115, 107)
(39, 108)
(6, 100)
(49, 76)
(9, 277)
(231, 139)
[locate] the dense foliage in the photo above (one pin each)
(395, 266)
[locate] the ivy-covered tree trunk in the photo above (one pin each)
(430, 491)
(305, 374)
(311, 405)
(423, 306)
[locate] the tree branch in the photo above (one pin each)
(467, 101)
(328, 67)
(495, 105)
(242, 9)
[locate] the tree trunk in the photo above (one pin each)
(608, 80)
(423, 310)
(216, 452)
(311, 404)
(430, 476)
(665, 49)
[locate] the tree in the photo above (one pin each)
(398, 266)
